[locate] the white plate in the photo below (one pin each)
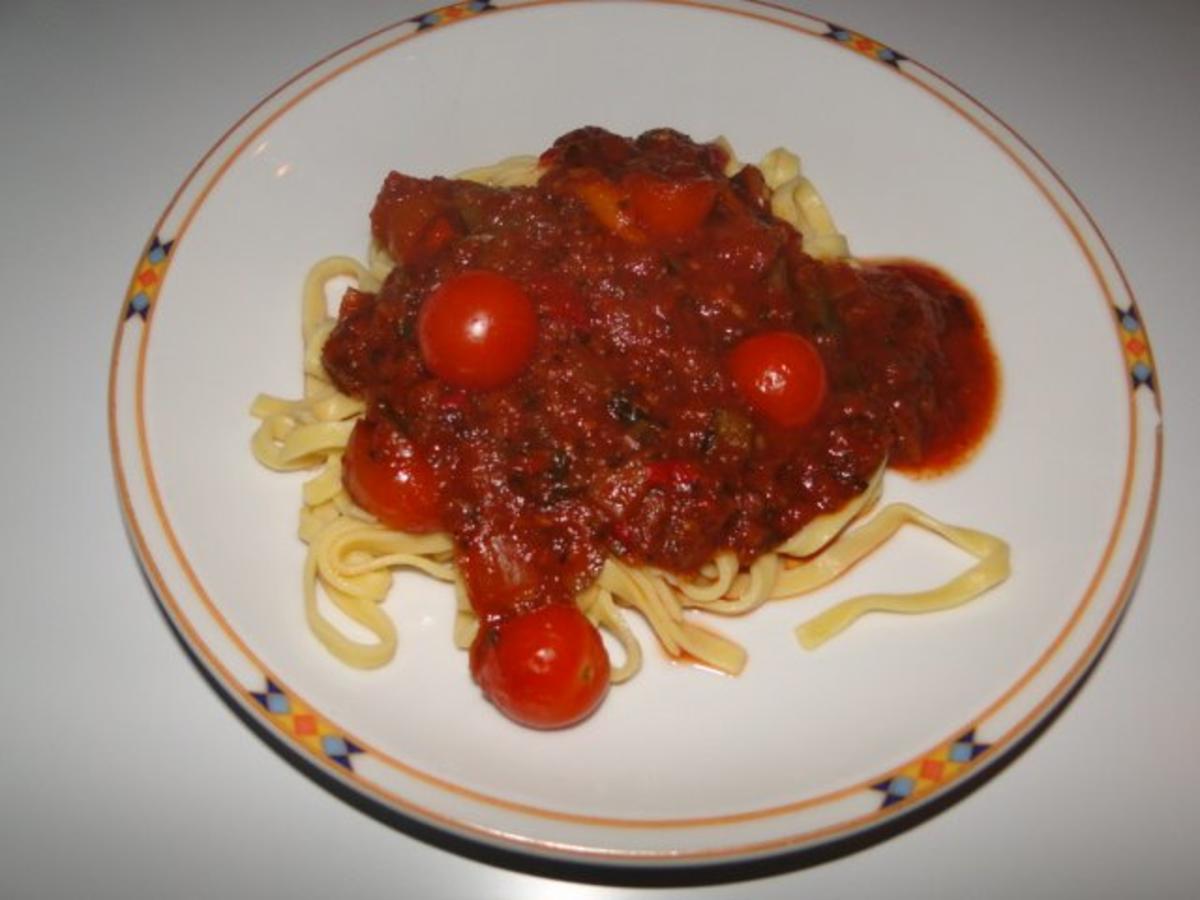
(680, 767)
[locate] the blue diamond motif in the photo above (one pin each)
(333, 745)
(962, 752)
(139, 305)
(278, 703)
(901, 786)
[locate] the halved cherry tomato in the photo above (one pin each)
(609, 204)
(781, 375)
(545, 669)
(669, 208)
(477, 330)
(386, 476)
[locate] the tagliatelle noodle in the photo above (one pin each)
(991, 568)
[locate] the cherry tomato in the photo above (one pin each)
(545, 669)
(477, 330)
(386, 476)
(607, 202)
(781, 375)
(669, 208)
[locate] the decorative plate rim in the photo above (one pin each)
(959, 757)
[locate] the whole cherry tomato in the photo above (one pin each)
(387, 477)
(477, 330)
(546, 668)
(781, 375)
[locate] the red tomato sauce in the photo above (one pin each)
(619, 429)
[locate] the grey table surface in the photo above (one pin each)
(121, 772)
